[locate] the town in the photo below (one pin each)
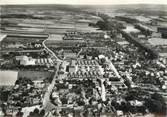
(74, 62)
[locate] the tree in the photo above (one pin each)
(19, 113)
(156, 104)
(102, 25)
(36, 110)
(42, 113)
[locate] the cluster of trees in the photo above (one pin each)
(92, 24)
(8, 66)
(155, 103)
(91, 52)
(43, 54)
(108, 24)
(24, 81)
(127, 108)
(127, 19)
(19, 113)
(9, 55)
(4, 93)
(37, 113)
(103, 25)
(146, 32)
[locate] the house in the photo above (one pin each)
(44, 61)
(27, 62)
(72, 67)
(24, 60)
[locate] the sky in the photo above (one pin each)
(80, 2)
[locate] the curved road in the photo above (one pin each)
(49, 50)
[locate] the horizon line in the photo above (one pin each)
(82, 4)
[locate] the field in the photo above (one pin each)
(8, 78)
(34, 75)
(22, 40)
(157, 41)
(52, 21)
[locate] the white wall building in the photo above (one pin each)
(24, 60)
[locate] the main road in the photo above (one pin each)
(47, 105)
(49, 50)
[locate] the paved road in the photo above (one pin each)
(103, 90)
(49, 50)
(113, 68)
(79, 52)
(47, 105)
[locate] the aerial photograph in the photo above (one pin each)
(83, 58)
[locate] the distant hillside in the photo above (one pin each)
(147, 9)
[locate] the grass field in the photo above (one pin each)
(8, 78)
(34, 75)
